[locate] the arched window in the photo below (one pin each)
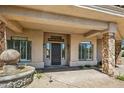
(85, 51)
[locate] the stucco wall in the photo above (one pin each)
(37, 46)
(74, 47)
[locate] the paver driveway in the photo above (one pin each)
(76, 78)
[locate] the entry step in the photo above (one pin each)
(61, 68)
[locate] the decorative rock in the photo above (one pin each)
(10, 84)
(10, 56)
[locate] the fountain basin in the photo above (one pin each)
(20, 78)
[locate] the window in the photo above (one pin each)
(85, 51)
(22, 46)
(48, 50)
(63, 50)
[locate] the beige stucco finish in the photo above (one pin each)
(37, 38)
(74, 48)
(37, 46)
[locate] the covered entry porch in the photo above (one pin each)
(47, 37)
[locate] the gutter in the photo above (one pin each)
(108, 9)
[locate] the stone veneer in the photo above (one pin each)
(108, 53)
(18, 80)
(118, 52)
(2, 38)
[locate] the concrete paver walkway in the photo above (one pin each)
(89, 78)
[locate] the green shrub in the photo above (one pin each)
(87, 65)
(120, 77)
(38, 75)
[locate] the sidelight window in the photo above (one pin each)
(48, 45)
(63, 50)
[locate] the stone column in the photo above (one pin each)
(117, 52)
(2, 38)
(108, 51)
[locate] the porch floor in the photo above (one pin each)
(79, 78)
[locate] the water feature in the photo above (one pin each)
(13, 75)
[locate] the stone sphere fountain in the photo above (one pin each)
(13, 75)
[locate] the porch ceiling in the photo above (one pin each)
(52, 28)
(83, 12)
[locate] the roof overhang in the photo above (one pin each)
(70, 16)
